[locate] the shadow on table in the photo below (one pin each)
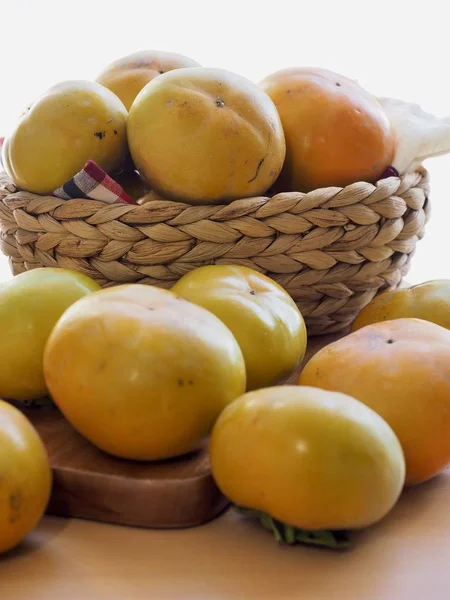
(237, 557)
(412, 507)
(45, 531)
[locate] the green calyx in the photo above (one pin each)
(286, 534)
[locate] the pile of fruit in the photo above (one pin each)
(159, 122)
(148, 374)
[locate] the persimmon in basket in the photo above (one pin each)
(127, 76)
(205, 136)
(336, 132)
(69, 124)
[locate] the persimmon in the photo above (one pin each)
(400, 369)
(336, 132)
(71, 123)
(142, 373)
(205, 136)
(30, 305)
(262, 316)
(429, 301)
(127, 76)
(25, 477)
(312, 459)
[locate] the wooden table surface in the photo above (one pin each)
(406, 557)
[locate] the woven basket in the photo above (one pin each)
(332, 249)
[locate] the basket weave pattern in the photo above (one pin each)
(332, 249)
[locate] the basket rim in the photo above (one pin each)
(419, 175)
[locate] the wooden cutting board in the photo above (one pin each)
(93, 485)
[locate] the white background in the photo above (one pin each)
(396, 48)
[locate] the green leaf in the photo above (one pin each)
(329, 539)
(290, 534)
(287, 534)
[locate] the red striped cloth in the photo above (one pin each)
(94, 183)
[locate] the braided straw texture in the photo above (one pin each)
(332, 249)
